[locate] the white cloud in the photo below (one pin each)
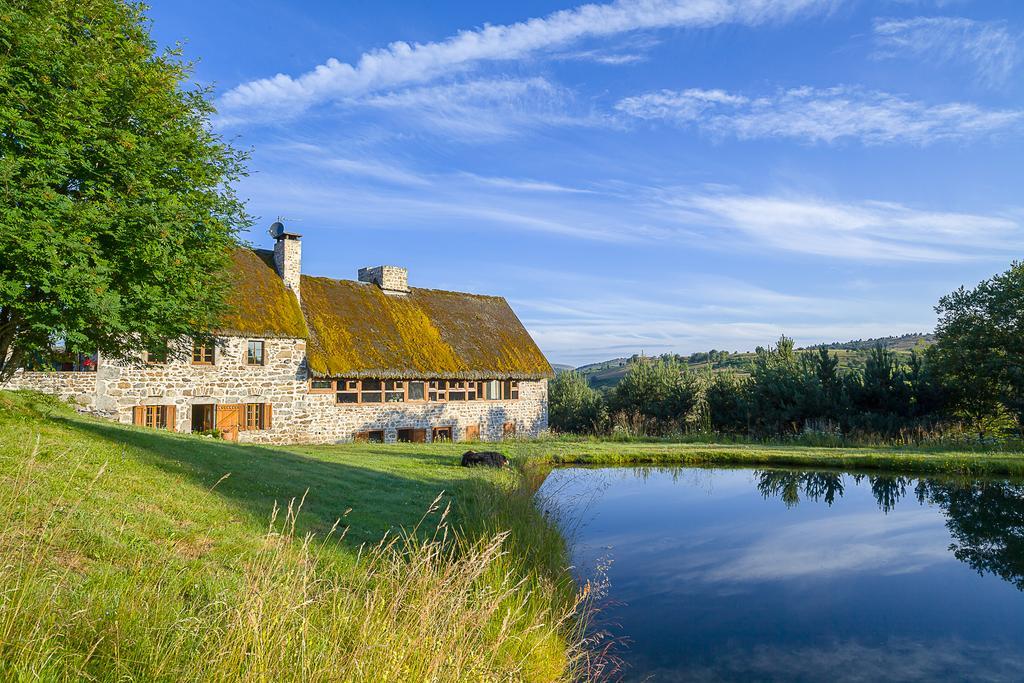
(404, 63)
(821, 115)
(864, 231)
(484, 108)
(839, 544)
(525, 184)
(988, 46)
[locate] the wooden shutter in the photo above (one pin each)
(172, 418)
(268, 413)
(139, 415)
(472, 433)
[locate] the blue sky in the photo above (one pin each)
(641, 175)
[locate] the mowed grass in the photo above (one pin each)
(132, 554)
(928, 460)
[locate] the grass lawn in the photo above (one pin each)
(142, 555)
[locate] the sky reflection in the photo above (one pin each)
(790, 575)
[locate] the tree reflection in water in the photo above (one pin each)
(985, 518)
(788, 485)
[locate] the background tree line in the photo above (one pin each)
(971, 381)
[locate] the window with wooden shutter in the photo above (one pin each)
(412, 435)
(254, 416)
(267, 415)
(139, 416)
(508, 430)
(372, 436)
(155, 417)
(171, 418)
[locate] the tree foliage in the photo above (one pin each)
(655, 397)
(574, 406)
(980, 346)
(117, 212)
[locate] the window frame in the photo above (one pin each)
(155, 417)
(369, 436)
(202, 350)
(330, 389)
(259, 423)
(248, 353)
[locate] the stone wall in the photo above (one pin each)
(280, 381)
(325, 421)
(298, 415)
(79, 387)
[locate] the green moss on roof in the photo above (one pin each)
(357, 330)
(258, 302)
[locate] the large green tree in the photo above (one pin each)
(116, 208)
(979, 353)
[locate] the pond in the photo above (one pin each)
(796, 575)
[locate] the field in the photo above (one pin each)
(141, 555)
(132, 554)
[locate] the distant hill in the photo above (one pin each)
(904, 342)
(559, 368)
(852, 355)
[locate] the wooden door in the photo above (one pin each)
(229, 419)
(472, 433)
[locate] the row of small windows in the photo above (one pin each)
(419, 435)
(416, 391)
(206, 354)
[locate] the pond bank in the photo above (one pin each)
(901, 460)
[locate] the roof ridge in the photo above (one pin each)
(359, 283)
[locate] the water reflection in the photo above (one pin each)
(789, 485)
(986, 522)
(786, 574)
(984, 518)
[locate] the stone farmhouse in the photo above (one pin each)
(305, 359)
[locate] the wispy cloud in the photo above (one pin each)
(384, 192)
(525, 184)
(821, 115)
(869, 231)
(482, 108)
(841, 544)
(989, 46)
(402, 64)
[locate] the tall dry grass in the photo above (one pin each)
(444, 606)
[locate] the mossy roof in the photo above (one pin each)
(258, 302)
(358, 330)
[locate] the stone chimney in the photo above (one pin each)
(288, 256)
(390, 279)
